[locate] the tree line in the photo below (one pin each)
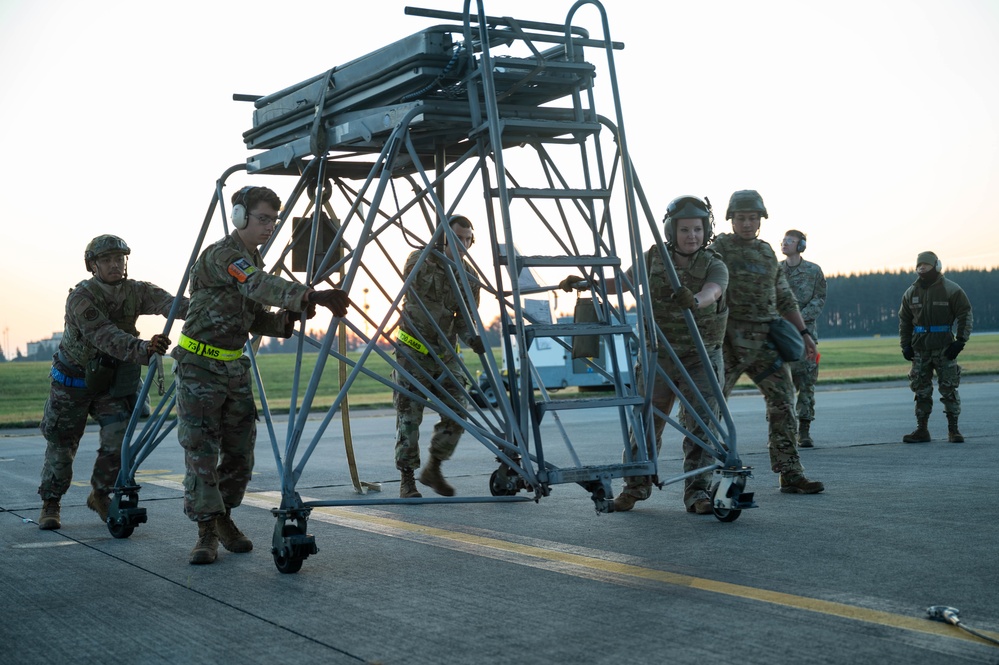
(867, 304)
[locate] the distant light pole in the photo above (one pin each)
(366, 306)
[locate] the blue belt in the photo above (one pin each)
(67, 381)
(932, 329)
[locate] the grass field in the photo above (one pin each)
(24, 386)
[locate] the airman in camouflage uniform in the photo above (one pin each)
(809, 287)
(926, 318)
(230, 297)
(96, 372)
(433, 307)
(757, 294)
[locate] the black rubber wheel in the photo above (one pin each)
(121, 530)
(291, 563)
(723, 514)
(498, 487)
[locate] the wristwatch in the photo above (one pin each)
(804, 331)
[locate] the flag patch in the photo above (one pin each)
(241, 269)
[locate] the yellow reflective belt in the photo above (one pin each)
(409, 340)
(202, 349)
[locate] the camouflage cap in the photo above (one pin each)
(104, 244)
(746, 200)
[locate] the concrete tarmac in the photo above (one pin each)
(845, 576)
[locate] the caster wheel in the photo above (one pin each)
(723, 514)
(289, 563)
(121, 530)
(500, 484)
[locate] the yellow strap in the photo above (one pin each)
(409, 340)
(202, 349)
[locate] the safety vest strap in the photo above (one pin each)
(208, 351)
(410, 341)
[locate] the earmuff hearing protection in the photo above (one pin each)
(240, 215)
(801, 245)
(938, 265)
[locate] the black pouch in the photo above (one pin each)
(786, 339)
(99, 373)
(127, 377)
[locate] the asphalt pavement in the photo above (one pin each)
(845, 576)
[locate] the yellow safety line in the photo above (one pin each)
(345, 516)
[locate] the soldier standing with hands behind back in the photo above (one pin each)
(926, 318)
(809, 287)
(96, 372)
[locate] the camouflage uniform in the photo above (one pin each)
(757, 294)
(217, 427)
(706, 266)
(925, 323)
(433, 288)
(809, 287)
(99, 322)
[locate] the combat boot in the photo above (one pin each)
(799, 485)
(919, 435)
(230, 536)
(407, 487)
(100, 503)
(953, 433)
(432, 477)
(49, 519)
(625, 502)
(804, 437)
(207, 546)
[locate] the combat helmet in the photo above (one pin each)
(104, 244)
(746, 200)
(688, 207)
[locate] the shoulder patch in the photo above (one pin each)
(241, 269)
(91, 314)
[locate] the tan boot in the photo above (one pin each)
(953, 433)
(799, 485)
(100, 503)
(207, 546)
(625, 502)
(804, 437)
(49, 519)
(919, 435)
(432, 477)
(230, 536)
(407, 486)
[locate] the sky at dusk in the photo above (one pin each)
(871, 125)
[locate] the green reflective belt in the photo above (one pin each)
(411, 341)
(202, 349)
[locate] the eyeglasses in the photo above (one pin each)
(264, 219)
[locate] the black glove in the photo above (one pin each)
(684, 298)
(334, 300)
(159, 344)
(908, 353)
(475, 344)
(290, 319)
(950, 353)
(570, 282)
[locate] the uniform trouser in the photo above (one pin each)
(217, 427)
(409, 411)
(948, 379)
(746, 353)
(804, 374)
(663, 398)
(63, 423)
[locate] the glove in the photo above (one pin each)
(950, 353)
(475, 344)
(908, 353)
(290, 319)
(570, 282)
(334, 300)
(684, 298)
(158, 344)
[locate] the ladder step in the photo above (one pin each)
(574, 329)
(574, 261)
(579, 474)
(590, 403)
(532, 193)
(512, 128)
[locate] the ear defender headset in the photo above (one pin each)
(801, 243)
(240, 215)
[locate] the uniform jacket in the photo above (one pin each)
(758, 291)
(230, 297)
(705, 266)
(927, 315)
(432, 286)
(100, 318)
(809, 287)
